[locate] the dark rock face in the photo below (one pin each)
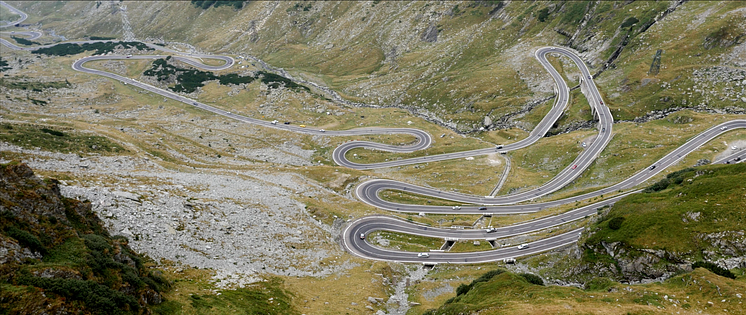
(430, 34)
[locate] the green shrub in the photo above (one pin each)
(98, 298)
(532, 278)
(53, 132)
(543, 14)
(720, 271)
(24, 41)
(629, 22)
(616, 223)
(660, 185)
(26, 239)
(464, 288)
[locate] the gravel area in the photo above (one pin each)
(241, 224)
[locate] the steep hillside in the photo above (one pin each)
(691, 293)
(453, 61)
(56, 256)
(695, 214)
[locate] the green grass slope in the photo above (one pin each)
(508, 293)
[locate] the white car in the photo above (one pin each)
(322, 130)
(274, 122)
(423, 255)
(456, 207)
(523, 246)
(362, 236)
(723, 128)
(490, 230)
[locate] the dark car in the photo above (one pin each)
(482, 208)
(287, 122)
(652, 167)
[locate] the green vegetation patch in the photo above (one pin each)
(188, 80)
(34, 86)
(24, 41)
(677, 209)
(101, 38)
(262, 298)
(34, 136)
(236, 4)
(4, 65)
(100, 48)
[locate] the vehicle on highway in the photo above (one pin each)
(194, 103)
(274, 122)
(490, 230)
(302, 126)
(499, 146)
(575, 166)
(287, 122)
(737, 159)
(456, 207)
(423, 255)
(322, 130)
(362, 236)
(652, 167)
(602, 102)
(523, 246)
(482, 208)
(603, 129)
(129, 56)
(723, 128)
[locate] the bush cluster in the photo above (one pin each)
(24, 41)
(100, 48)
(720, 271)
(465, 288)
(237, 4)
(616, 223)
(188, 80)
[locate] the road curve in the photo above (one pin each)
(23, 15)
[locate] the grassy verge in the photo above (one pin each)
(404, 242)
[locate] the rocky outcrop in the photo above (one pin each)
(624, 263)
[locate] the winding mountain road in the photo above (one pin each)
(369, 191)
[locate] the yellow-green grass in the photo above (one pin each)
(405, 242)
(510, 292)
(478, 176)
(468, 246)
(543, 160)
(334, 294)
(133, 67)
